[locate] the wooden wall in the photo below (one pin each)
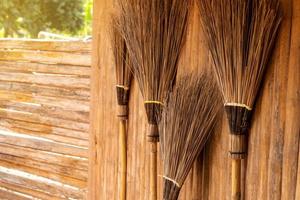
(271, 170)
(44, 119)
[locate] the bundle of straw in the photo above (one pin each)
(155, 33)
(123, 81)
(187, 122)
(240, 35)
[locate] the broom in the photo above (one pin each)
(240, 35)
(155, 32)
(123, 80)
(187, 122)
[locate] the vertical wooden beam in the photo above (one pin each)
(102, 183)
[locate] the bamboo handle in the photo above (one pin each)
(123, 159)
(153, 171)
(236, 179)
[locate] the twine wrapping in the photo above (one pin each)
(171, 180)
(153, 102)
(238, 105)
(123, 87)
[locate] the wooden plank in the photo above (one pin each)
(74, 174)
(32, 128)
(24, 190)
(35, 118)
(45, 111)
(46, 57)
(27, 67)
(46, 45)
(25, 128)
(65, 104)
(48, 91)
(67, 81)
(11, 195)
(291, 166)
(46, 174)
(36, 143)
(66, 162)
(40, 184)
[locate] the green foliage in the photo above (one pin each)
(9, 16)
(88, 7)
(26, 18)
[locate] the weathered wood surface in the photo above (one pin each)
(56, 189)
(44, 119)
(46, 45)
(272, 168)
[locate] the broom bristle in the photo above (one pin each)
(187, 122)
(122, 63)
(155, 32)
(240, 35)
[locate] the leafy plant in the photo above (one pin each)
(26, 18)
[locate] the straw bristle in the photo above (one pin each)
(187, 122)
(241, 36)
(155, 32)
(122, 63)
(121, 60)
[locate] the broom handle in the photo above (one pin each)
(236, 179)
(153, 171)
(123, 159)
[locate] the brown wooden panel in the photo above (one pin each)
(44, 133)
(43, 90)
(63, 103)
(32, 128)
(46, 45)
(46, 174)
(66, 162)
(41, 144)
(56, 170)
(35, 118)
(56, 189)
(46, 57)
(10, 194)
(44, 111)
(6, 66)
(67, 81)
(24, 190)
(272, 168)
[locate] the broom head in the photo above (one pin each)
(241, 36)
(155, 32)
(122, 63)
(187, 122)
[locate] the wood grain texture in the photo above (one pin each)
(272, 169)
(45, 45)
(44, 111)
